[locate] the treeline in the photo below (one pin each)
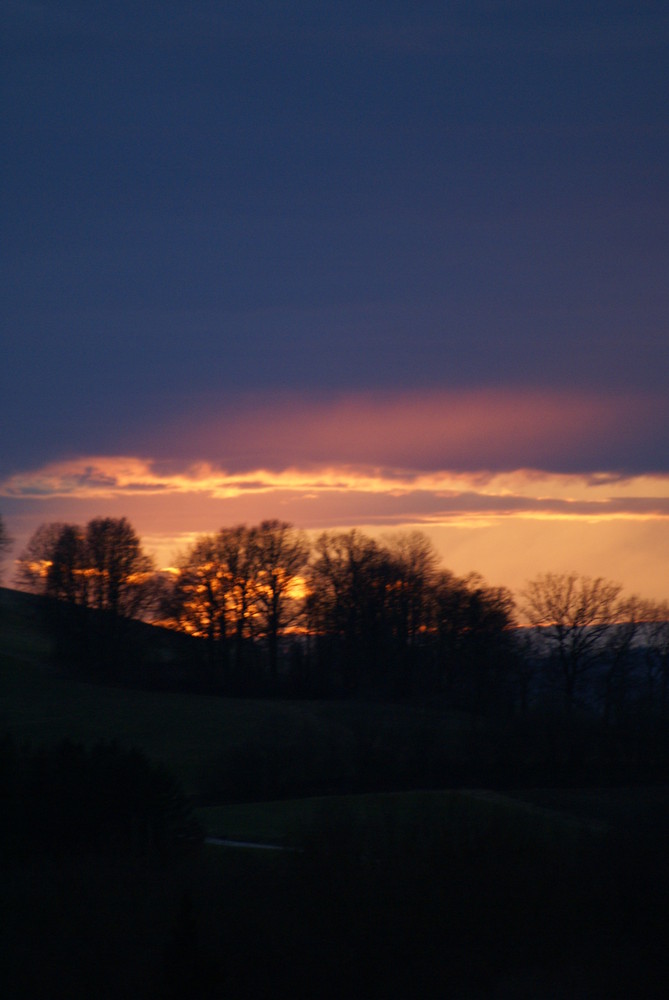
(262, 610)
(95, 582)
(268, 612)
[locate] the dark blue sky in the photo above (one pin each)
(202, 199)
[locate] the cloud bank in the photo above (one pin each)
(506, 484)
(432, 430)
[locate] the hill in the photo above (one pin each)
(393, 889)
(227, 749)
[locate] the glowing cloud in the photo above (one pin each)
(381, 463)
(531, 492)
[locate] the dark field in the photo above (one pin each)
(410, 874)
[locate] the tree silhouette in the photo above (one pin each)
(118, 567)
(101, 566)
(282, 554)
(412, 564)
(198, 601)
(572, 615)
(383, 616)
(213, 595)
(67, 799)
(95, 578)
(239, 587)
(474, 626)
(238, 550)
(35, 561)
(67, 575)
(346, 604)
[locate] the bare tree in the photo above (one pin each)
(213, 595)
(198, 602)
(345, 562)
(101, 566)
(241, 584)
(415, 565)
(282, 554)
(238, 551)
(67, 577)
(118, 567)
(347, 595)
(383, 613)
(94, 577)
(572, 614)
(36, 560)
(474, 626)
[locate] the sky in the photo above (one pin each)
(380, 264)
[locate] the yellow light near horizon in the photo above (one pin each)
(508, 525)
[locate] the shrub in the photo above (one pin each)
(68, 800)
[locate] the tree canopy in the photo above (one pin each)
(574, 614)
(95, 578)
(101, 566)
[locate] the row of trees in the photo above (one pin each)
(268, 610)
(238, 587)
(351, 611)
(101, 566)
(95, 579)
(384, 614)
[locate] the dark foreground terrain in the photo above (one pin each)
(546, 887)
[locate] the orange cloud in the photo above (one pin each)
(507, 525)
(456, 465)
(427, 494)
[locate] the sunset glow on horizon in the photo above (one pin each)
(334, 469)
(507, 525)
(346, 266)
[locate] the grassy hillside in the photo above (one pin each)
(220, 748)
(414, 888)
(227, 750)
(22, 637)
